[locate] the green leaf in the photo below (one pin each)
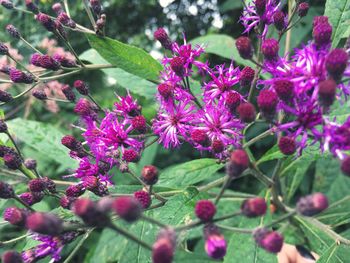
(273, 154)
(338, 12)
(242, 246)
(189, 173)
(188, 257)
(329, 256)
(129, 58)
(338, 213)
(43, 138)
(221, 45)
(229, 5)
(321, 241)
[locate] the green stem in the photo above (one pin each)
(79, 245)
(14, 144)
(259, 137)
(130, 236)
(66, 7)
(31, 46)
(89, 13)
(23, 203)
(95, 102)
(58, 100)
(223, 188)
(213, 184)
(260, 176)
(14, 240)
(55, 77)
(281, 219)
(28, 173)
(236, 229)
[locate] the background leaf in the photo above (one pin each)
(338, 12)
(129, 58)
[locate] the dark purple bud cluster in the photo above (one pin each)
(163, 38)
(205, 210)
(345, 165)
(322, 31)
(215, 243)
(31, 198)
(127, 208)
(271, 241)
(312, 204)
(131, 156)
(303, 9)
(81, 87)
(5, 96)
(46, 21)
(244, 47)
(64, 61)
(12, 160)
(45, 61)
(3, 126)
(239, 161)
(144, 198)
(246, 77)
(164, 248)
(246, 112)
(149, 174)
(44, 223)
(68, 93)
(18, 76)
(279, 20)
(6, 191)
(287, 145)
(85, 108)
(267, 102)
(7, 4)
(13, 31)
(11, 257)
(92, 213)
(39, 94)
(254, 207)
(4, 50)
(31, 6)
(16, 216)
(269, 49)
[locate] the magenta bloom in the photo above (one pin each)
(251, 17)
(127, 106)
(222, 80)
(174, 122)
(337, 138)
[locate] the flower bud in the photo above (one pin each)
(71, 143)
(131, 156)
(44, 223)
(46, 21)
(18, 76)
(127, 208)
(3, 126)
(13, 31)
(68, 93)
(217, 146)
(164, 247)
(345, 165)
(96, 7)
(267, 102)
(139, 124)
(336, 63)
(89, 212)
(12, 161)
(5, 96)
(6, 191)
(49, 184)
(244, 47)
(287, 145)
(279, 20)
(320, 20)
(144, 198)
(65, 20)
(35, 59)
(246, 112)
(232, 100)
(37, 185)
(7, 4)
(149, 174)
(260, 6)
(66, 201)
(11, 256)
(65, 62)
(284, 89)
(165, 90)
(312, 204)
(200, 137)
(322, 33)
(84, 108)
(4, 150)
(81, 87)
(246, 77)
(75, 190)
(239, 161)
(90, 182)
(177, 64)
(215, 243)
(205, 210)
(303, 9)
(57, 8)
(30, 164)
(32, 6)
(270, 48)
(326, 92)
(254, 207)
(14, 216)
(271, 241)
(48, 62)
(163, 38)
(31, 198)
(4, 50)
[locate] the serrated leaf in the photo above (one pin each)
(273, 154)
(221, 45)
(338, 213)
(43, 138)
(129, 58)
(329, 255)
(338, 12)
(189, 173)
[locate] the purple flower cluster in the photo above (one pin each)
(209, 123)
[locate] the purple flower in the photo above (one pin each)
(222, 81)
(127, 106)
(337, 138)
(251, 17)
(49, 246)
(174, 121)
